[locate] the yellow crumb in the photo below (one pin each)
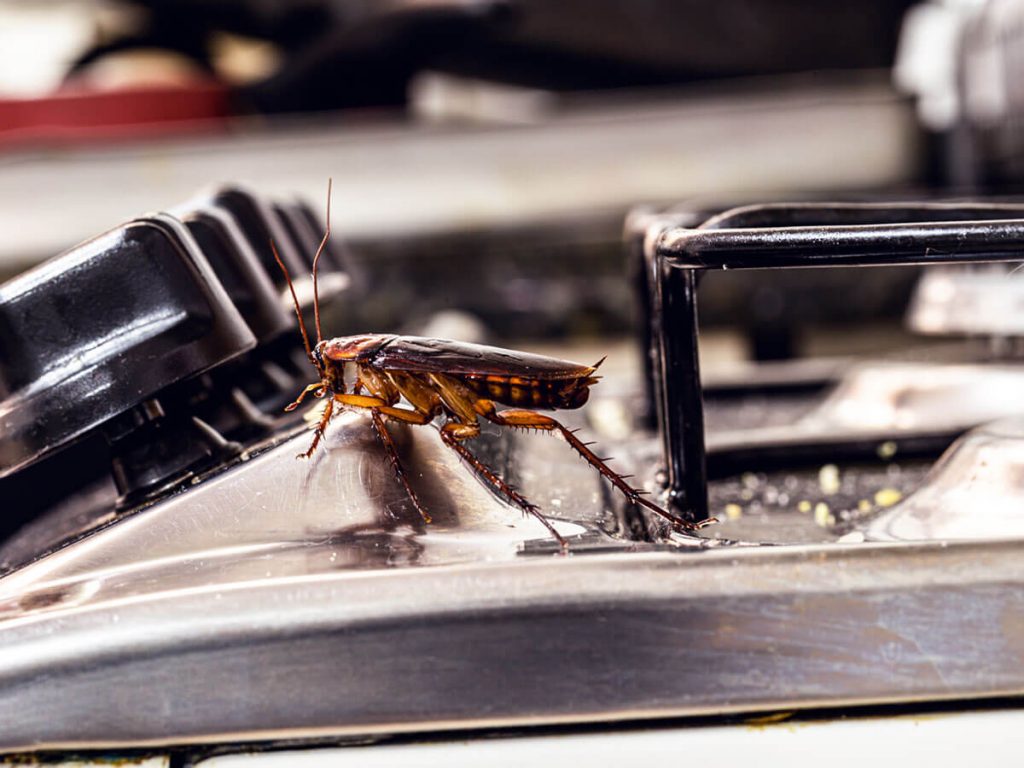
(774, 717)
(733, 511)
(887, 449)
(887, 497)
(804, 506)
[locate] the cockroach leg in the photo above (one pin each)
(392, 452)
(522, 419)
(366, 402)
(361, 401)
(377, 409)
(318, 388)
(320, 429)
(452, 433)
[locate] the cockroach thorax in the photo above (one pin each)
(353, 348)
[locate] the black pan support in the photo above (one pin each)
(776, 237)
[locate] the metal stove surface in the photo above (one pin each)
(282, 599)
(257, 597)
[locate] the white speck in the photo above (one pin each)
(828, 479)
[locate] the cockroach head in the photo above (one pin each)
(353, 349)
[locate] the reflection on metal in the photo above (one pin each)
(968, 301)
(286, 599)
(973, 492)
(898, 397)
(888, 401)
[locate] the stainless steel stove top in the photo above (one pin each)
(235, 593)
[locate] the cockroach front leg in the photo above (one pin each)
(453, 433)
(522, 419)
(320, 429)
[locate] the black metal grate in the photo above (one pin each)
(800, 235)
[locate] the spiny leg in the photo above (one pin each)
(450, 434)
(530, 420)
(319, 431)
(392, 452)
(376, 408)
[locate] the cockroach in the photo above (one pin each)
(458, 381)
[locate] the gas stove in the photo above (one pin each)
(167, 554)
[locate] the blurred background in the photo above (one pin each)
(496, 168)
(485, 154)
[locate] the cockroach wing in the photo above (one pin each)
(420, 354)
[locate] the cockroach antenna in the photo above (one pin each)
(295, 301)
(316, 261)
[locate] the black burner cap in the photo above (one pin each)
(101, 328)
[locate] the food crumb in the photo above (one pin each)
(823, 515)
(887, 449)
(828, 479)
(887, 497)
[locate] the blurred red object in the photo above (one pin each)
(77, 115)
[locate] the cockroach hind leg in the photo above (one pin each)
(449, 437)
(528, 419)
(678, 523)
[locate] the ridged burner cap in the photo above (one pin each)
(103, 327)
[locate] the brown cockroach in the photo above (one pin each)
(458, 381)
